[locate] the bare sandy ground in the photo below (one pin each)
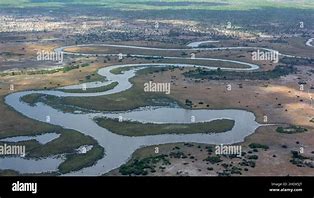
(262, 98)
(281, 100)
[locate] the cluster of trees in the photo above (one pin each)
(188, 103)
(201, 73)
(298, 159)
(141, 167)
(213, 159)
(256, 145)
(297, 61)
(291, 129)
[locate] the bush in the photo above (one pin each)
(254, 157)
(291, 129)
(213, 159)
(256, 145)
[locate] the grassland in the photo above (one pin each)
(291, 129)
(164, 5)
(130, 99)
(234, 75)
(131, 128)
(184, 55)
(92, 90)
(68, 141)
(14, 124)
(141, 167)
(120, 70)
(78, 161)
(8, 173)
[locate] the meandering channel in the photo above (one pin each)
(118, 149)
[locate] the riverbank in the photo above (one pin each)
(130, 128)
(191, 87)
(14, 124)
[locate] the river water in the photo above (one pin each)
(118, 148)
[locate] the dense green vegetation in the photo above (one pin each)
(213, 159)
(249, 163)
(22, 72)
(230, 170)
(44, 71)
(177, 154)
(31, 99)
(219, 74)
(254, 157)
(53, 101)
(92, 90)
(75, 162)
(120, 70)
(68, 141)
(130, 99)
(299, 160)
(142, 166)
(130, 128)
(256, 145)
(36, 129)
(71, 67)
(291, 129)
(9, 173)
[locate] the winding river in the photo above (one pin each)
(118, 148)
